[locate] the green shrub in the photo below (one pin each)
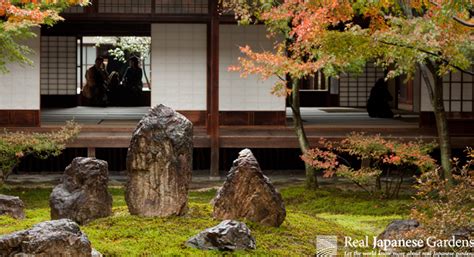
(16, 145)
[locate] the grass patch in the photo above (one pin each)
(327, 211)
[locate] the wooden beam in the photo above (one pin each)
(213, 86)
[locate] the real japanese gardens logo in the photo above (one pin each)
(326, 246)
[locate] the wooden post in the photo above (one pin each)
(213, 85)
(91, 152)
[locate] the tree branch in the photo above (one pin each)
(456, 18)
(432, 54)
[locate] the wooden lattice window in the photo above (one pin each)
(181, 6)
(74, 9)
(58, 65)
(354, 89)
(458, 92)
(124, 6)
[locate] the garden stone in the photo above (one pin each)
(229, 235)
(82, 196)
(398, 228)
(249, 194)
(159, 164)
(51, 238)
(12, 206)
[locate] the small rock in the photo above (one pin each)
(159, 164)
(51, 238)
(229, 235)
(249, 194)
(398, 228)
(13, 206)
(82, 196)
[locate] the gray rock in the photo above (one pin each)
(82, 196)
(464, 233)
(229, 235)
(13, 206)
(159, 164)
(397, 228)
(51, 238)
(249, 194)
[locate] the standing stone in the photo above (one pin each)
(229, 235)
(159, 164)
(13, 206)
(82, 196)
(247, 193)
(51, 238)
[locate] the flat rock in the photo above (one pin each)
(51, 238)
(229, 235)
(159, 164)
(82, 196)
(12, 206)
(249, 194)
(397, 228)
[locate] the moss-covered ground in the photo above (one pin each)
(326, 211)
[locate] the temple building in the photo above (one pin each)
(192, 46)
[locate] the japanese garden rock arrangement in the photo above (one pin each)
(51, 238)
(247, 193)
(12, 206)
(82, 196)
(229, 235)
(159, 164)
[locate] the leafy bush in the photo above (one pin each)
(445, 210)
(383, 161)
(16, 145)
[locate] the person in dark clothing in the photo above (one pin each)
(377, 105)
(132, 80)
(95, 88)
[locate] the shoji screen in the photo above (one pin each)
(354, 89)
(58, 65)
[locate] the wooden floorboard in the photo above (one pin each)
(251, 136)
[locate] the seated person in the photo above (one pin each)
(377, 105)
(132, 80)
(96, 82)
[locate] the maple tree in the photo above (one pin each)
(18, 17)
(335, 36)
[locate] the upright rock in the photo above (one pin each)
(82, 196)
(229, 235)
(12, 206)
(51, 238)
(159, 164)
(247, 193)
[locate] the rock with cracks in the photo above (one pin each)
(51, 238)
(397, 228)
(82, 196)
(229, 235)
(249, 194)
(159, 164)
(12, 206)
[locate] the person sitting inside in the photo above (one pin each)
(377, 105)
(114, 89)
(96, 80)
(132, 80)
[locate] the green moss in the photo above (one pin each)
(327, 211)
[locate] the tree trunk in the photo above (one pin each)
(311, 176)
(436, 96)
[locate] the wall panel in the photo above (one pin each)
(179, 66)
(244, 94)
